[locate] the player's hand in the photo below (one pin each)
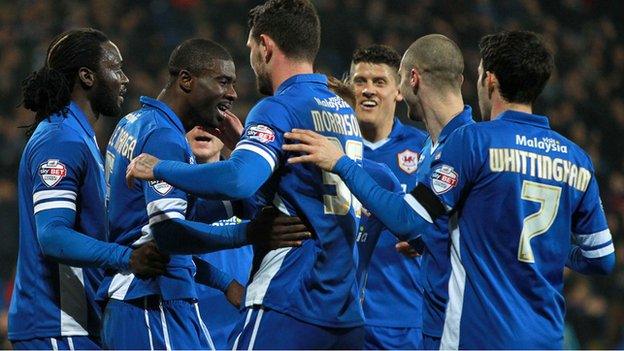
(320, 150)
(273, 230)
(234, 293)
(147, 261)
(205, 146)
(230, 129)
(404, 248)
(141, 167)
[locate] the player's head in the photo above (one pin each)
(515, 67)
(202, 73)
(281, 28)
(375, 78)
(432, 66)
(79, 62)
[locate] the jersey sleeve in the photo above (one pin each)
(589, 224)
(57, 168)
(162, 200)
(264, 131)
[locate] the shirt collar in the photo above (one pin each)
(526, 118)
(80, 118)
(301, 78)
(463, 118)
(171, 116)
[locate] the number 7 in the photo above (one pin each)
(539, 222)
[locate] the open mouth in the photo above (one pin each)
(368, 104)
(224, 106)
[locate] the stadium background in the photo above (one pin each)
(583, 98)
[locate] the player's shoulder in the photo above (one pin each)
(382, 174)
(56, 134)
(272, 108)
(412, 131)
(148, 121)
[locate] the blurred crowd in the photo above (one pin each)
(584, 97)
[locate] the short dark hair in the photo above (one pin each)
(196, 56)
(521, 62)
(294, 25)
(379, 54)
(48, 90)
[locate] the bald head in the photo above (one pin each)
(438, 60)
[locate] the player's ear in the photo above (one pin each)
(86, 76)
(492, 82)
(414, 78)
(185, 81)
(267, 46)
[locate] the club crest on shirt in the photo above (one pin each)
(261, 133)
(52, 172)
(160, 186)
(408, 161)
(443, 179)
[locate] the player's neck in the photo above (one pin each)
(288, 69)
(440, 112)
(174, 102)
(375, 132)
(499, 106)
(80, 99)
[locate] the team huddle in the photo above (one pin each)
(360, 232)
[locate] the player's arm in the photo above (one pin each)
(55, 218)
(403, 215)
(209, 275)
(250, 165)
(593, 252)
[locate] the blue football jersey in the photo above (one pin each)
(219, 315)
(518, 193)
(393, 291)
(61, 168)
(154, 129)
(436, 267)
(315, 282)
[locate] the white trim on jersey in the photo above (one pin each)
(70, 342)
(73, 301)
(53, 205)
(166, 204)
(247, 319)
(271, 264)
(280, 205)
(597, 253)
(229, 210)
(254, 333)
(204, 328)
(147, 324)
(376, 145)
(163, 322)
(593, 239)
(416, 206)
(165, 216)
(53, 194)
(54, 344)
(456, 288)
(258, 150)
(119, 285)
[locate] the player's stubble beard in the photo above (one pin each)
(485, 102)
(105, 101)
(263, 81)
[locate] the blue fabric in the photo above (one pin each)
(594, 266)
(151, 323)
(196, 238)
(393, 293)
(210, 275)
(61, 171)
(229, 179)
(430, 342)
(272, 330)
(389, 338)
(65, 245)
(58, 343)
(219, 315)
